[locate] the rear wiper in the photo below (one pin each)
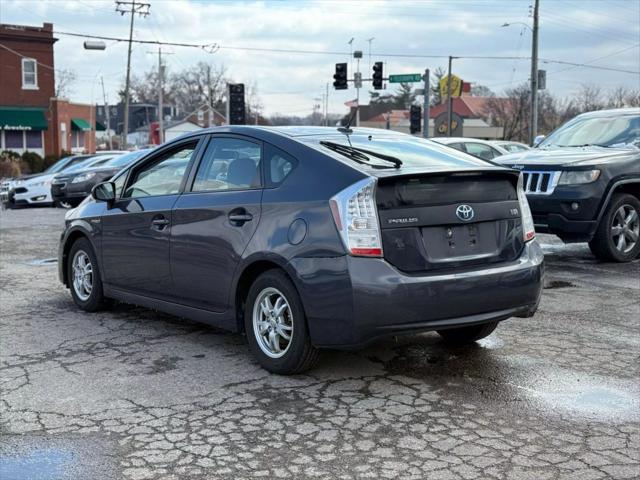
(360, 155)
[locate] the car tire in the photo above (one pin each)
(614, 238)
(468, 334)
(83, 274)
(62, 204)
(273, 312)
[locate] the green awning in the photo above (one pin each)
(22, 118)
(80, 124)
(100, 127)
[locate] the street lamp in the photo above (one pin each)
(533, 128)
(506, 24)
(94, 45)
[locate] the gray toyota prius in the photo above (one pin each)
(305, 238)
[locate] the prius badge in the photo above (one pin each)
(465, 212)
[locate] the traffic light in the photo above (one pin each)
(415, 117)
(340, 77)
(236, 104)
(377, 76)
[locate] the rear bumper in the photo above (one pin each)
(357, 300)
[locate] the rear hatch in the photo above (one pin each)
(453, 220)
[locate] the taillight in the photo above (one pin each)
(528, 229)
(356, 216)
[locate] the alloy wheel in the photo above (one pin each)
(272, 322)
(625, 228)
(82, 275)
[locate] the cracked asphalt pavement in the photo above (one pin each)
(130, 393)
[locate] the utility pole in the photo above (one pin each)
(427, 88)
(534, 74)
(209, 97)
(160, 96)
(449, 103)
(370, 40)
(141, 9)
(357, 81)
(106, 112)
(326, 106)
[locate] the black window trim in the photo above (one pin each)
(153, 157)
(191, 178)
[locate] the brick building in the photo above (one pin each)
(31, 118)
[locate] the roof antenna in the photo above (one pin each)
(347, 128)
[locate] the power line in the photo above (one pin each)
(213, 47)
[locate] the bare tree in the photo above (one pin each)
(254, 105)
(437, 75)
(633, 98)
(589, 98)
(621, 97)
(481, 91)
(511, 112)
(202, 83)
(65, 79)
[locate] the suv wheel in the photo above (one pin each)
(83, 275)
(468, 334)
(276, 325)
(617, 237)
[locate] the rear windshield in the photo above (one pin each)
(413, 151)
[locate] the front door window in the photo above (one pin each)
(162, 177)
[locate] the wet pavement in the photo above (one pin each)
(134, 394)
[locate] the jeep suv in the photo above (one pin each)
(583, 182)
(304, 238)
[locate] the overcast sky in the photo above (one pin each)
(599, 32)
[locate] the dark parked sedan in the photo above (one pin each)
(71, 187)
(304, 238)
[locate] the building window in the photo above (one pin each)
(29, 74)
(77, 139)
(13, 139)
(34, 138)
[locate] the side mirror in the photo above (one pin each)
(104, 192)
(538, 140)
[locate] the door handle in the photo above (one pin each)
(239, 217)
(159, 223)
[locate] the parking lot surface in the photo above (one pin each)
(135, 394)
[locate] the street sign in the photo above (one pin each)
(456, 86)
(405, 78)
(542, 79)
(357, 80)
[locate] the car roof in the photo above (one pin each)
(611, 112)
(290, 131)
(447, 140)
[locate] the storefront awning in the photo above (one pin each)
(80, 124)
(22, 118)
(100, 127)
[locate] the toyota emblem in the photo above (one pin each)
(465, 212)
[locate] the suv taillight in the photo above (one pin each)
(528, 229)
(356, 216)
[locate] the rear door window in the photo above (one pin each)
(480, 150)
(229, 164)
